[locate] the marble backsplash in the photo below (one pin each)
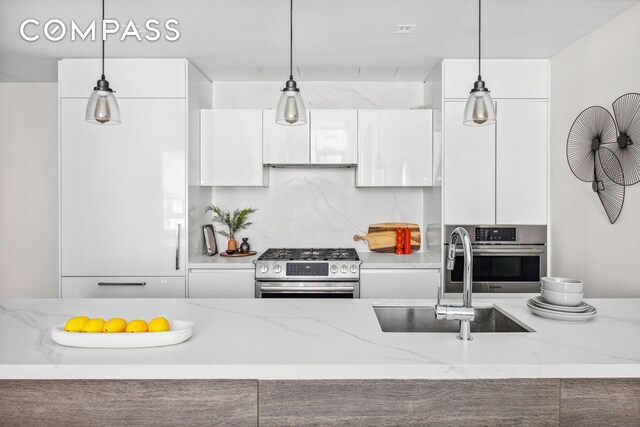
(319, 207)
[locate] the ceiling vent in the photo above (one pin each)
(405, 28)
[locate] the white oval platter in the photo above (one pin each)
(179, 331)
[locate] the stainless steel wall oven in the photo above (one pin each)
(506, 259)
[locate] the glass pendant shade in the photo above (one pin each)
(102, 108)
(480, 110)
(291, 109)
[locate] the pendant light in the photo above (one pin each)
(291, 111)
(103, 107)
(480, 110)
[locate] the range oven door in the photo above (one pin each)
(501, 269)
(287, 289)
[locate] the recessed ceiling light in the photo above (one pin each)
(405, 28)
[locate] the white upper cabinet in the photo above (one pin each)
(521, 162)
(328, 138)
(129, 78)
(469, 169)
(394, 148)
(231, 148)
(504, 78)
(334, 137)
(284, 145)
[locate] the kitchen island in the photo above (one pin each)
(284, 355)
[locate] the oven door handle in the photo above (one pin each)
(267, 288)
(505, 251)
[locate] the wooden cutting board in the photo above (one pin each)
(382, 237)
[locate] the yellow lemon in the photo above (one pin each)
(137, 326)
(75, 324)
(115, 325)
(93, 325)
(159, 324)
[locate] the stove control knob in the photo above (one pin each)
(334, 269)
(264, 268)
(354, 268)
(277, 269)
(344, 269)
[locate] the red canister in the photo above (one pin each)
(399, 241)
(407, 240)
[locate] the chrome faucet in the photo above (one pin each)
(465, 313)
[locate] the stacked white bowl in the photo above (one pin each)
(561, 291)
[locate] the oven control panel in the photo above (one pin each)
(498, 234)
(307, 269)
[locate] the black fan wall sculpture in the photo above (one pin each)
(605, 184)
(606, 151)
(593, 127)
(626, 109)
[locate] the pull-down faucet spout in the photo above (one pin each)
(464, 313)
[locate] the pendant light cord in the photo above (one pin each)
(102, 39)
(291, 40)
(479, 37)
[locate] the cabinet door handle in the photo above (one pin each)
(178, 250)
(122, 283)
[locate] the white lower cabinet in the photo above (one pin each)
(221, 283)
(411, 283)
(123, 287)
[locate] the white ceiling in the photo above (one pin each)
(333, 39)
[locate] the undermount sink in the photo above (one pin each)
(393, 318)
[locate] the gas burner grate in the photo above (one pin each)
(310, 254)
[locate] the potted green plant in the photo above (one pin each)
(234, 221)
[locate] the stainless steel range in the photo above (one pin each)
(308, 273)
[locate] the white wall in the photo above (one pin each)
(318, 207)
(28, 190)
(594, 71)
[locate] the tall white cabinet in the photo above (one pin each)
(496, 174)
(123, 203)
(521, 162)
(469, 172)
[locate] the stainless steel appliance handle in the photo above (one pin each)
(267, 288)
(509, 251)
(178, 250)
(122, 283)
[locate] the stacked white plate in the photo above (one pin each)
(561, 300)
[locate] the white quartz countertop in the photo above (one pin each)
(370, 260)
(315, 339)
(217, 261)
